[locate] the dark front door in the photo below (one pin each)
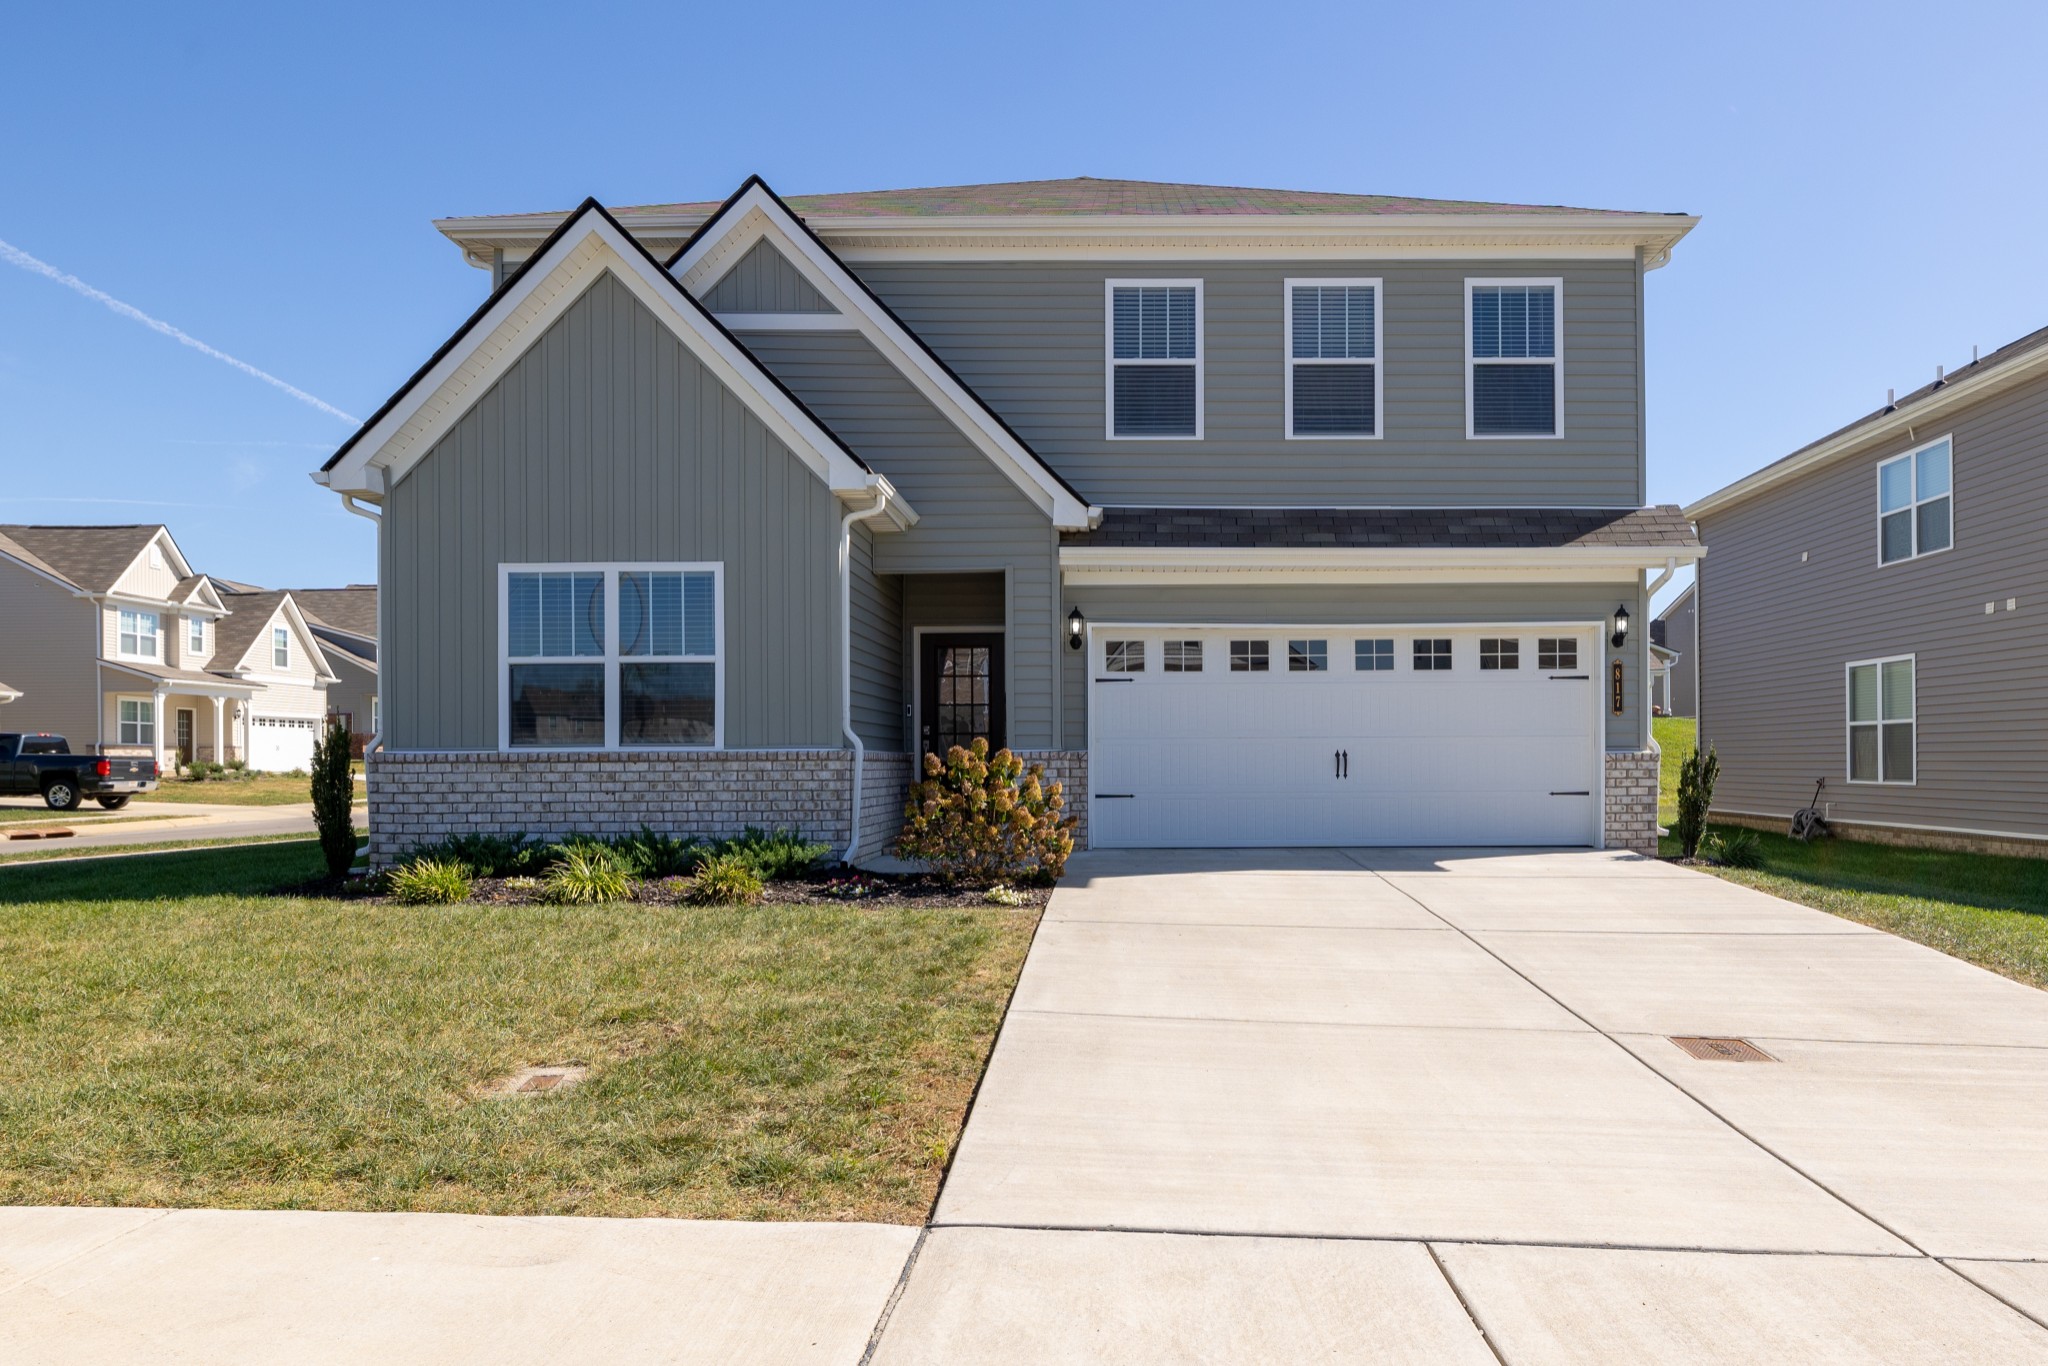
(960, 676)
(184, 735)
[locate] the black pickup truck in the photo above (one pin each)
(44, 765)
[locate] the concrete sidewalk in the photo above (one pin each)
(1424, 1105)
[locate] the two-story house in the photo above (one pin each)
(119, 645)
(1260, 517)
(1871, 615)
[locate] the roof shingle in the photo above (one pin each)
(88, 557)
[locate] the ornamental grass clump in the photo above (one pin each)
(430, 882)
(583, 877)
(985, 818)
(724, 880)
(775, 855)
(1696, 778)
(1737, 849)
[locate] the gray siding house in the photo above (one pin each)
(1259, 517)
(1869, 615)
(1676, 629)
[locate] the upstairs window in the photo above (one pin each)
(1881, 721)
(1333, 348)
(280, 647)
(139, 632)
(1154, 346)
(1915, 513)
(1513, 384)
(195, 635)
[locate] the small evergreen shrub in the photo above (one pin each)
(775, 855)
(586, 878)
(1696, 778)
(430, 882)
(724, 880)
(236, 766)
(983, 818)
(334, 793)
(487, 855)
(649, 854)
(1737, 849)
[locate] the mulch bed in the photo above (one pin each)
(839, 888)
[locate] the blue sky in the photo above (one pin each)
(262, 177)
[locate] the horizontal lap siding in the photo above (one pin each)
(1344, 604)
(763, 281)
(608, 441)
(1028, 336)
(972, 518)
(50, 659)
(1775, 633)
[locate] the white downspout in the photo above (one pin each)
(880, 506)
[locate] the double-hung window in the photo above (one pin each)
(1915, 504)
(1154, 357)
(1514, 384)
(1333, 350)
(195, 635)
(1881, 720)
(139, 631)
(137, 721)
(612, 656)
(280, 647)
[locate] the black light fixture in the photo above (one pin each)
(1620, 637)
(1075, 621)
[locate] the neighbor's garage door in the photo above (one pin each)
(1299, 736)
(279, 744)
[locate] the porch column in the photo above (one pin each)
(156, 730)
(219, 735)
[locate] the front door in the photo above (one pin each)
(960, 690)
(185, 735)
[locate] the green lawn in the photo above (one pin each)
(1676, 736)
(1988, 909)
(180, 1034)
(262, 789)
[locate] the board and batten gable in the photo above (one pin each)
(1028, 337)
(608, 441)
(971, 517)
(1791, 592)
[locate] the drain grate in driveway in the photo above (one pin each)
(1721, 1050)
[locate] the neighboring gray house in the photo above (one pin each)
(1870, 615)
(1675, 629)
(1260, 517)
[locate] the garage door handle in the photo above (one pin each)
(1571, 678)
(1116, 680)
(1571, 794)
(1114, 796)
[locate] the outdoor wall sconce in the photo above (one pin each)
(1075, 621)
(1620, 637)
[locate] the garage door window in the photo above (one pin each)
(1499, 654)
(1124, 657)
(1248, 657)
(1182, 656)
(1372, 656)
(1557, 653)
(1432, 655)
(1308, 656)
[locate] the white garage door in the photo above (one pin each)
(278, 744)
(1303, 736)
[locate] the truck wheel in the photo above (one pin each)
(113, 803)
(61, 795)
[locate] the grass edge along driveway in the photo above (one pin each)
(181, 1033)
(1987, 909)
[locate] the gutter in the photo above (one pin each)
(879, 507)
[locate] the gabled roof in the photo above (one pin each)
(2011, 364)
(352, 609)
(755, 211)
(87, 557)
(576, 254)
(253, 611)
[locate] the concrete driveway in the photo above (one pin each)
(1425, 1105)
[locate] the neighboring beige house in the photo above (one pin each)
(119, 645)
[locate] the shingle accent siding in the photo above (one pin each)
(1662, 527)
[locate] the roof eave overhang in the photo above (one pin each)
(1582, 564)
(200, 687)
(1916, 420)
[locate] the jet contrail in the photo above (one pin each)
(14, 256)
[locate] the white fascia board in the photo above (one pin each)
(1587, 564)
(756, 214)
(400, 438)
(1927, 412)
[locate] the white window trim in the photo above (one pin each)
(123, 652)
(195, 635)
(1556, 362)
(141, 699)
(611, 659)
(1110, 361)
(286, 632)
(1913, 508)
(1288, 360)
(1849, 725)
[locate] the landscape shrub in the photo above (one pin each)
(984, 818)
(430, 882)
(774, 854)
(1737, 849)
(650, 854)
(487, 855)
(236, 765)
(724, 880)
(1696, 778)
(334, 794)
(586, 876)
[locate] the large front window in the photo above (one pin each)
(138, 721)
(612, 657)
(1155, 358)
(1513, 386)
(139, 631)
(1914, 504)
(1882, 721)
